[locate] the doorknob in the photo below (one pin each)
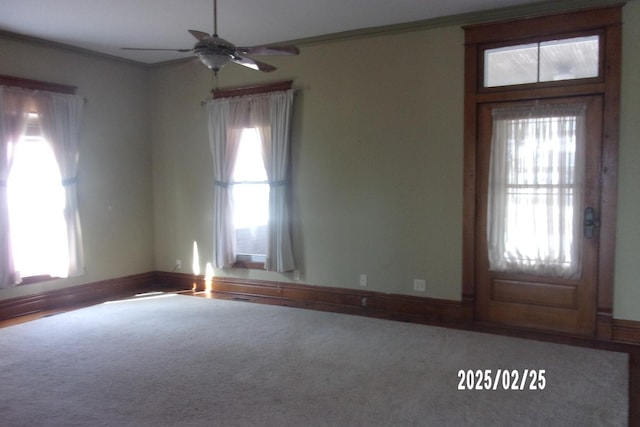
(590, 222)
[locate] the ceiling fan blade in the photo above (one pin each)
(268, 50)
(151, 48)
(200, 35)
(253, 64)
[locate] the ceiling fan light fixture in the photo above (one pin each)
(213, 60)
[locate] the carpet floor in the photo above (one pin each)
(172, 360)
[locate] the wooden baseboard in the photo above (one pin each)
(627, 331)
(369, 303)
(355, 301)
(390, 306)
(91, 293)
(604, 324)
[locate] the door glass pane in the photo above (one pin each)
(535, 190)
(568, 59)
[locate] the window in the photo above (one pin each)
(250, 194)
(40, 230)
(545, 61)
(36, 201)
(249, 136)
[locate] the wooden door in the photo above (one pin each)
(539, 300)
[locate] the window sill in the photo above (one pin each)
(36, 279)
(250, 265)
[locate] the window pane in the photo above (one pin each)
(250, 217)
(250, 196)
(511, 65)
(567, 59)
(250, 205)
(249, 164)
(36, 201)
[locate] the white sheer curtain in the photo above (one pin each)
(60, 117)
(536, 190)
(224, 139)
(275, 151)
(271, 114)
(14, 112)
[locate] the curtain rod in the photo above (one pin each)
(251, 90)
(37, 85)
(239, 91)
(30, 84)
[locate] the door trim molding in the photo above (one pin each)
(609, 20)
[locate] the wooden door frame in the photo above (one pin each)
(608, 20)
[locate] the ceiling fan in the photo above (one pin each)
(215, 52)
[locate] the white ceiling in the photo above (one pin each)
(107, 25)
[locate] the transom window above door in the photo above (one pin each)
(568, 58)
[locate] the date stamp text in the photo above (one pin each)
(502, 379)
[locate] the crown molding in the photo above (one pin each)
(506, 13)
(37, 41)
(512, 12)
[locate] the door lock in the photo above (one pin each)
(590, 222)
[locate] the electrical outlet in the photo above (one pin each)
(363, 280)
(296, 274)
(419, 285)
(178, 265)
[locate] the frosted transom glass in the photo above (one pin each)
(512, 65)
(568, 59)
(565, 59)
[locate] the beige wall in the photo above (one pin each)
(627, 279)
(115, 162)
(377, 161)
